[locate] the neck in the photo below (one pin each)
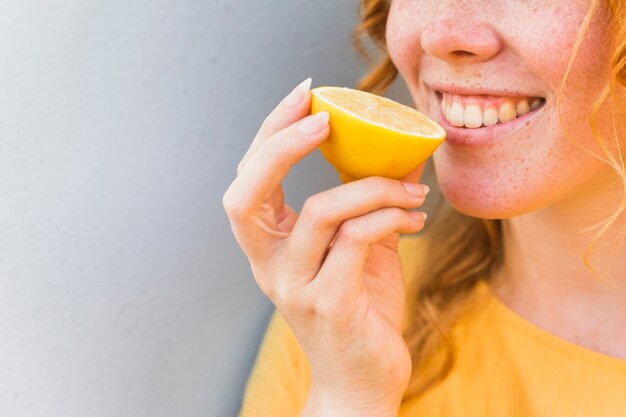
(544, 279)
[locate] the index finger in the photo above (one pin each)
(267, 167)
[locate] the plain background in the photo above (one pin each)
(122, 289)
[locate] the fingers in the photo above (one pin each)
(268, 166)
(323, 214)
(341, 275)
(291, 109)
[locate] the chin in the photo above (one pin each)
(475, 205)
(478, 195)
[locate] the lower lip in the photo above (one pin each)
(486, 135)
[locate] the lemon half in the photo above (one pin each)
(373, 135)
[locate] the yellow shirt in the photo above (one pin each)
(506, 366)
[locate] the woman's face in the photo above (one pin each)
(502, 62)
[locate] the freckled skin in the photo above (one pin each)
(537, 178)
(525, 44)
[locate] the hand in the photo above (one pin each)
(333, 271)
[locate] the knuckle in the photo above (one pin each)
(238, 214)
(397, 215)
(228, 202)
(314, 210)
(351, 232)
(234, 206)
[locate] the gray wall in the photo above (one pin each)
(122, 290)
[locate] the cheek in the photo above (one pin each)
(588, 76)
(538, 166)
(534, 169)
(404, 25)
(542, 164)
(403, 41)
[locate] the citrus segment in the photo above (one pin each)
(373, 135)
(381, 110)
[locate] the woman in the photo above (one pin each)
(503, 314)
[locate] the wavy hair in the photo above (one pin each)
(463, 249)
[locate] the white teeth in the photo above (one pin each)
(522, 107)
(473, 116)
(507, 112)
(456, 114)
(490, 117)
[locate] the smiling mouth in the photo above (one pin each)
(480, 111)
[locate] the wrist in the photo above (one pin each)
(321, 403)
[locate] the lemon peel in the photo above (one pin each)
(373, 135)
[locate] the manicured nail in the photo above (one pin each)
(314, 123)
(418, 190)
(295, 97)
(418, 215)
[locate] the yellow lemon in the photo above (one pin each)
(373, 135)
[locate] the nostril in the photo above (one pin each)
(461, 53)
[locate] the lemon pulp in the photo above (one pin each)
(373, 135)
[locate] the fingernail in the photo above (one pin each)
(297, 94)
(418, 190)
(314, 123)
(418, 215)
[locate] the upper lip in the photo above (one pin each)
(466, 91)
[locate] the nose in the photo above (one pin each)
(459, 39)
